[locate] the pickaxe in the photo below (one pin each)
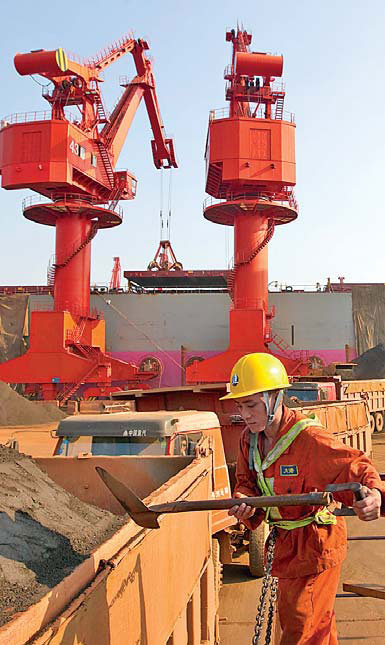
(147, 516)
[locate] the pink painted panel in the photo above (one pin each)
(171, 362)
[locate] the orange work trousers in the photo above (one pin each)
(306, 609)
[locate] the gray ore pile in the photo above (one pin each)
(370, 364)
(45, 532)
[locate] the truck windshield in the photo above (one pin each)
(111, 446)
(303, 395)
(115, 446)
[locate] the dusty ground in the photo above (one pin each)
(45, 532)
(360, 620)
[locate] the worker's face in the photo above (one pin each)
(253, 411)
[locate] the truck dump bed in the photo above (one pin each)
(139, 586)
(348, 420)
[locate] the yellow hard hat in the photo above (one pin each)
(255, 373)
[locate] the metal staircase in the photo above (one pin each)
(72, 388)
(53, 265)
(214, 179)
(101, 112)
(73, 339)
(74, 335)
(279, 108)
(301, 356)
(115, 196)
(109, 171)
(51, 274)
(231, 276)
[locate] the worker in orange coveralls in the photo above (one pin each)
(284, 452)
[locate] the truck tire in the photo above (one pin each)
(257, 541)
(218, 569)
(372, 423)
(379, 421)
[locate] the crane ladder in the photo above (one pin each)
(106, 162)
(53, 266)
(70, 389)
(102, 116)
(279, 108)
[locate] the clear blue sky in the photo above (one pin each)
(334, 54)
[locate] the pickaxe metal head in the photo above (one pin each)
(134, 506)
(355, 487)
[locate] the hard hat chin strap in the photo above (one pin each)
(271, 410)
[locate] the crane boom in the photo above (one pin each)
(143, 85)
(76, 82)
(112, 53)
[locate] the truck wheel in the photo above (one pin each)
(379, 421)
(372, 423)
(218, 569)
(257, 541)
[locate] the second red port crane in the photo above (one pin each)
(250, 162)
(68, 156)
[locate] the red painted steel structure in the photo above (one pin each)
(71, 161)
(250, 161)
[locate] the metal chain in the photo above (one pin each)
(269, 584)
(272, 608)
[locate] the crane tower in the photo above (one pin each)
(69, 160)
(250, 173)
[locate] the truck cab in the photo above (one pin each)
(134, 433)
(308, 391)
(142, 434)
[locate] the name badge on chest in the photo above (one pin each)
(288, 470)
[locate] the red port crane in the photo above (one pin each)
(250, 161)
(70, 160)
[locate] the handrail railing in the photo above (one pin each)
(109, 49)
(224, 113)
(37, 115)
(285, 197)
(68, 198)
(27, 289)
(278, 86)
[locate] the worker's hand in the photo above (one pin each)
(242, 512)
(369, 508)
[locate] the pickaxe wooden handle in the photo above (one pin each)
(305, 499)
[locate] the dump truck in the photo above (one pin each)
(349, 421)
(333, 388)
(130, 588)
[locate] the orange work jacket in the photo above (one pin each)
(320, 459)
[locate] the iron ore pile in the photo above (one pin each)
(15, 410)
(45, 532)
(370, 364)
